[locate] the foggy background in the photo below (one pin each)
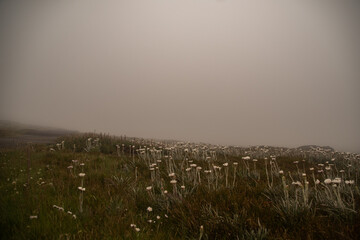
(280, 73)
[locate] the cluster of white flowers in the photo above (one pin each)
(349, 182)
(63, 210)
(336, 180)
(297, 183)
(327, 181)
(135, 228)
(58, 208)
(216, 167)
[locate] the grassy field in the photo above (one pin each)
(100, 187)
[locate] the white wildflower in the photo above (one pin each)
(327, 181)
(336, 180)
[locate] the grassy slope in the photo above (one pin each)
(113, 200)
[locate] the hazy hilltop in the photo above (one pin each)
(14, 133)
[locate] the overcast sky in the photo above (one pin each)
(282, 73)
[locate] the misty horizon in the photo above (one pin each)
(43, 129)
(241, 73)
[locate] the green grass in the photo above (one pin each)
(114, 199)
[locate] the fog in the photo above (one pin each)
(280, 73)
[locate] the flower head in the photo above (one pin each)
(327, 181)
